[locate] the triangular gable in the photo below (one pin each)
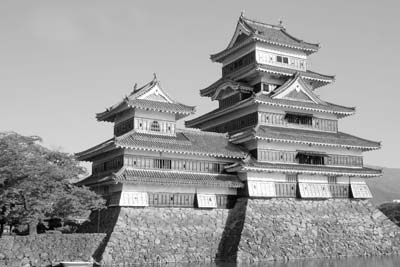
(298, 90)
(229, 88)
(156, 94)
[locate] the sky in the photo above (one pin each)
(63, 61)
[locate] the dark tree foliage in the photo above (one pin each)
(37, 183)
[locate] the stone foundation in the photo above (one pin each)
(160, 235)
(47, 249)
(254, 230)
(288, 229)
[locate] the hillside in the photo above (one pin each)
(385, 188)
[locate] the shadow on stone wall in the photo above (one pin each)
(229, 244)
(102, 221)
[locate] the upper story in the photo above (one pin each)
(147, 144)
(291, 105)
(148, 109)
(261, 53)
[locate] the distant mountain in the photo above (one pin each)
(385, 188)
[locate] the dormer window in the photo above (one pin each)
(155, 126)
(298, 119)
(281, 59)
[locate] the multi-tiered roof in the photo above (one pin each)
(268, 104)
(151, 102)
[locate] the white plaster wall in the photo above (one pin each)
(281, 50)
(262, 176)
(357, 180)
(306, 178)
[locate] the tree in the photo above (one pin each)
(37, 183)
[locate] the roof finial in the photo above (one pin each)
(155, 76)
(280, 22)
(242, 14)
(135, 87)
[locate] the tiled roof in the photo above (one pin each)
(133, 101)
(260, 98)
(311, 75)
(185, 142)
(161, 106)
(162, 177)
(272, 34)
(289, 135)
(277, 34)
(311, 169)
(329, 107)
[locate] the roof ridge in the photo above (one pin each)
(299, 40)
(273, 26)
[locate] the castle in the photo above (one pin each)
(265, 176)
(271, 135)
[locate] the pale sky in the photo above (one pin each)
(63, 61)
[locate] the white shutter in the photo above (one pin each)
(360, 191)
(310, 190)
(261, 189)
(206, 201)
(134, 199)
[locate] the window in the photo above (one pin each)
(155, 126)
(299, 119)
(162, 163)
(283, 60)
(310, 159)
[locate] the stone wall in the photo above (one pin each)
(254, 230)
(45, 249)
(287, 229)
(160, 235)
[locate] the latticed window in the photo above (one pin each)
(162, 163)
(155, 126)
(299, 119)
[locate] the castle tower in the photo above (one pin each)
(268, 104)
(149, 162)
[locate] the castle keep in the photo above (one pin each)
(271, 135)
(265, 176)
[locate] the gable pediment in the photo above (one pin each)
(229, 88)
(298, 90)
(156, 94)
